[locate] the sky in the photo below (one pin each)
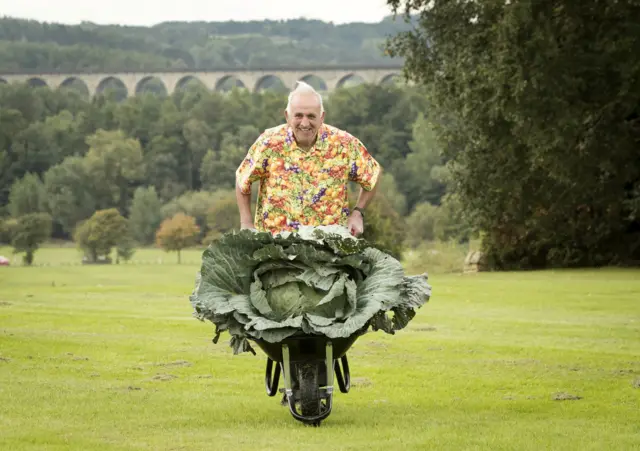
(147, 12)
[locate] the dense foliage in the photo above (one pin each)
(537, 104)
(152, 157)
(29, 45)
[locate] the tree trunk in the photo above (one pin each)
(178, 256)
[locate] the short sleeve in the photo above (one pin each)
(364, 169)
(253, 167)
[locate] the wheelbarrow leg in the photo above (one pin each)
(329, 363)
(288, 392)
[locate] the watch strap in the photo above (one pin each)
(360, 210)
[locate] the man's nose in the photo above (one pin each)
(305, 122)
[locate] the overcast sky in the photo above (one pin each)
(146, 12)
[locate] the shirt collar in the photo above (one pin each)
(321, 140)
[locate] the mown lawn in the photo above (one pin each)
(109, 358)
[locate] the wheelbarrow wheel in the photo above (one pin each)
(309, 388)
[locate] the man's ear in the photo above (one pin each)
(286, 115)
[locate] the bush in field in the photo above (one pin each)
(28, 232)
(100, 233)
(125, 248)
(177, 233)
(439, 257)
(422, 224)
(444, 222)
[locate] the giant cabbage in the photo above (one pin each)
(318, 280)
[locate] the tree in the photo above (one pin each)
(421, 224)
(163, 167)
(177, 233)
(27, 195)
(125, 248)
(218, 169)
(541, 102)
(145, 215)
(195, 204)
(199, 138)
(28, 233)
(114, 164)
(100, 233)
(396, 198)
(69, 193)
(422, 174)
(11, 122)
(6, 229)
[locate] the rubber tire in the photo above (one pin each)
(309, 388)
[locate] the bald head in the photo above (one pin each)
(307, 92)
(304, 113)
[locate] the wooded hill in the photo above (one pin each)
(34, 46)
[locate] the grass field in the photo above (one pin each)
(109, 358)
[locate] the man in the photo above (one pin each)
(304, 167)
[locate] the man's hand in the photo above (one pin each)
(355, 223)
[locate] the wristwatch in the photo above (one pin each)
(360, 210)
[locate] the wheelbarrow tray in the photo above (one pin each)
(307, 347)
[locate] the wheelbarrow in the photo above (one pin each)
(308, 364)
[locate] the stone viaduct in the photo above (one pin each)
(324, 79)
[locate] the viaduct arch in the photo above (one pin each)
(324, 79)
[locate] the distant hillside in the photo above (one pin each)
(31, 45)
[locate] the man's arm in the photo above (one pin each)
(250, 170)
(364, 197)
(355, 223)
(244, 206)
(366, 171)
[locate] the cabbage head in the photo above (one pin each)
(318, 280)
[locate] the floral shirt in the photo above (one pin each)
(299, 187)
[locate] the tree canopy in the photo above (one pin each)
(536, 106)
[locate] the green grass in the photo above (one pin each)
(109, 358)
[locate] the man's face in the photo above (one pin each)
(305, 118)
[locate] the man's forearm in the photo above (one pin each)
(365, 196)
(244, 207)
